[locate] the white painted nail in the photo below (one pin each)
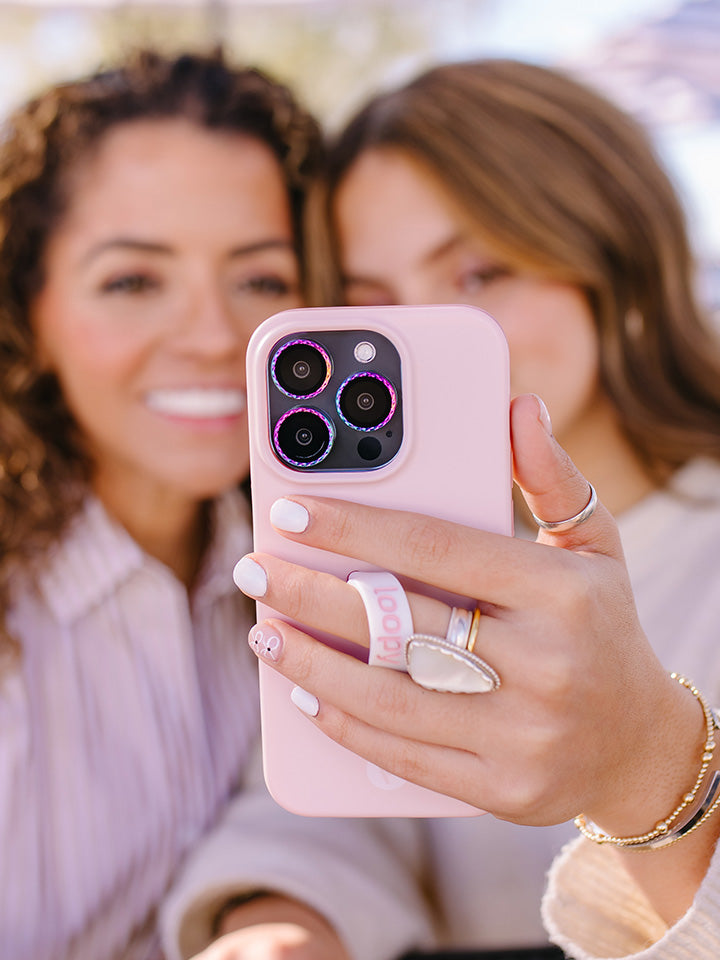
(307, 702)
(289, 516)
(544, 415)
(250, 577)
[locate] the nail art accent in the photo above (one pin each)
(250, 577)
(305, 701)
(290, 516)
(265, 642)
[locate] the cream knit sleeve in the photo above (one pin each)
(593, 909)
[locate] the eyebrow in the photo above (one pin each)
(149, 246)
(443, 249)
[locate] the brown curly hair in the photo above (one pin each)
(43, 468)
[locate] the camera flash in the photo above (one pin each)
(364, 352)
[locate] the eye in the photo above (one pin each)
(479, 278)
(131, 283)
(268, 285)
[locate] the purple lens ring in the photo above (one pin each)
(321, 416)
(304, 343)
(365, 375)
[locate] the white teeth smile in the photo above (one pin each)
(197, 402)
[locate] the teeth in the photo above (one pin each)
(197, 402)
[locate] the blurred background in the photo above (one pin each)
(660, 59)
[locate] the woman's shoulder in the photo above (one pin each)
(672, 537)
(690, 498)
(698, 479)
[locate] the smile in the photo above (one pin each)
(197, 402)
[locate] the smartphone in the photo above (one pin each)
(392, 406)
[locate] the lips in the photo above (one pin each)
(198, 402)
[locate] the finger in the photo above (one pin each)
(321, 601)
(454, 772)
(552, 486)
(377, 696)
(455, 558)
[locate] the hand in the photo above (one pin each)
(275, 928)
(586, 720)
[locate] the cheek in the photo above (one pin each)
(81, 339)
(94, 366)
(552, 340)
(98, 360)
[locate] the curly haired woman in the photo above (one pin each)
(148, 222)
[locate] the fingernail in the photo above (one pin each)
(543, 415)
(266, 642)
(250, 577)
(309, 704)
(290, 516)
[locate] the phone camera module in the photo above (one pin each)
(366, 401)
(300, 368)
(303, 437)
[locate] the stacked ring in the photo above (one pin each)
(447, 663)
(458, 630)
(474, 627)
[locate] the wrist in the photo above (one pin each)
(677, 793)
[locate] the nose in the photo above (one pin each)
(210, 328)
(411, 290)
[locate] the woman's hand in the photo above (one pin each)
(586, 719)
(275, 928)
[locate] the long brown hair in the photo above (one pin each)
(43, 469)
(561, 182)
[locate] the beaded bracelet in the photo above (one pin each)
(667, 831)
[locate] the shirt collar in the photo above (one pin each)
(96, 555)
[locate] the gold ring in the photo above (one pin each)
(474, 627)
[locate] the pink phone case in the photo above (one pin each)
(454, 462)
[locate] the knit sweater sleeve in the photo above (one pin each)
(363, 876)
(593, 909)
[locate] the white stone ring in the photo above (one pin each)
(449, 664)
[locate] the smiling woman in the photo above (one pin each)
(178, 244)
(142, 246)
(148, 223)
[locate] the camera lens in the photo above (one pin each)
(366, 401)
(300, 368)
(303, 437)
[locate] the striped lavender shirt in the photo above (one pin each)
(122, 732)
